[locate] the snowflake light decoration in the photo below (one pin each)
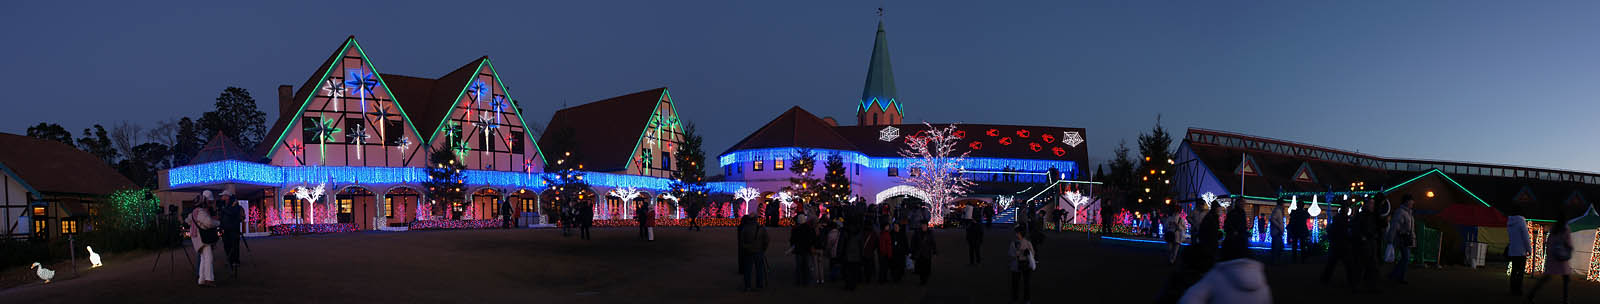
(363, 83)
(360, 136)
(477, 90)
(1208, 197)
(335, 91)
(405, 143)
(1071, 138)
(888, 133)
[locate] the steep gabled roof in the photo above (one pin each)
(608, 130)
(794, 128)
(220, 147)
(275, 133)
(46, 166)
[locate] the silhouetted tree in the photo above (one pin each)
(237, 117)
(50, 131)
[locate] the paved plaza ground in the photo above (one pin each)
(540, 266)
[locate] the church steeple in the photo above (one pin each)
(878, 100)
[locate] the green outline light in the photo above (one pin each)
(340, 56)
(664, 95)
(1447, 178)
(536, 150)
(392, 97)
(457, 101)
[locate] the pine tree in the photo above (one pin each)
(803, 187)
(445, 182)
(567, 182)
(836, 182)
(689, 182)
(1155, 170)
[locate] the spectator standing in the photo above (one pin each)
(1401, 232)
(1558, 257)
(1518, 248)
(974, 243)
(753, 253)
(1022, 265)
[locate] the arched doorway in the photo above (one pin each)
(484, 205)
(352, 205)
(524, 205)
(400, 205)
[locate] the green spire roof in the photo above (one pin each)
(880, 76)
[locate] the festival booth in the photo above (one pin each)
(1585, 241)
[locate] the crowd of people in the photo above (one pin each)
(214, 220)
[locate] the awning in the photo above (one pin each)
(1473, 215)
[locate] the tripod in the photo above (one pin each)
(174, 242)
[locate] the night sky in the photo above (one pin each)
(1478, 82)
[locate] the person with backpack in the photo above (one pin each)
(204, 235)
(1022, 265)
(1558, 258)
(753, 252)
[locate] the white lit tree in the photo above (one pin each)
(936, 167)
(746, 194)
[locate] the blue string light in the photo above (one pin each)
(1067, 167)
(233, 171)
(741, 156)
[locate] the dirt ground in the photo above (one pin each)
(527, 266)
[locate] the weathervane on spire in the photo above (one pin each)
(880, 11)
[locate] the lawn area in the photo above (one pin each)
(527, 266)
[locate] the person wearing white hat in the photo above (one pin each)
(203, 234)
(232, 218)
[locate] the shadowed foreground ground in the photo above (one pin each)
(680, 267)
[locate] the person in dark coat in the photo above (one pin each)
(853, 249)
(1298, 232)
(232, 217)
(772, 214)
(925, 251)
(884, 241)
(585, 220)
(739, 249)
(974, 243)
(902, 247)
(1338, 243)
(505, 213)
(801, 240)
(753, 252)
(1365, 239)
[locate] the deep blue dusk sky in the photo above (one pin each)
(1480, 82)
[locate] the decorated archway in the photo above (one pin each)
(400, 205)
(484, 204)
(350, 204)
(900, 190)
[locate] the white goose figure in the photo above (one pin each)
(44, 274)
(94, 258)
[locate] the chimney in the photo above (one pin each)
(285, 93)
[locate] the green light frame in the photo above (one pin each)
(329, 68)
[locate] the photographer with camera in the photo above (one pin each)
(203, 233)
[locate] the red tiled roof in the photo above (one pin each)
(794, 128)
(54, 167)
(608, 130)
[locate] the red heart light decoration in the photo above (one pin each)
(1059, 151)
(1006, 141)
(1022, 133)
(1049, 139)
(993, 132)
(1035, 147)
(960, 134)
(976, 145)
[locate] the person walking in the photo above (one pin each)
(639, 215)
(886, 262)
(203, 234)
(1558, 257)
(1338, 243)
(506, 219)
(1367, 238)
(232, 218)
(1172, 230)
(1022, 265)
(852, 250)
(801, 241)
(1403, 235)
(649, 222)
(753, 252)
(1275, 220)
(1517, 247)
(1238, 278)
(826, 250)
(974, 243)
(1298, 232)
(925, 251)
(902, 250)
(585, 220)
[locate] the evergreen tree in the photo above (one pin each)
(1155, 170)
(689, 182)
(51, 132)
(1120, 183)
(445, 182)
(567, 183)
(836, 182)
(99, 144)
(803, 186)
(237, 117)
(188, 142)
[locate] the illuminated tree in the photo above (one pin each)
(836, 182)
(566, 182)
(1154, 190)
(689, 182)
(936, 168)
(803, 188)
(445, 182)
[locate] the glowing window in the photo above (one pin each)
(388, 207)
(777, 164)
